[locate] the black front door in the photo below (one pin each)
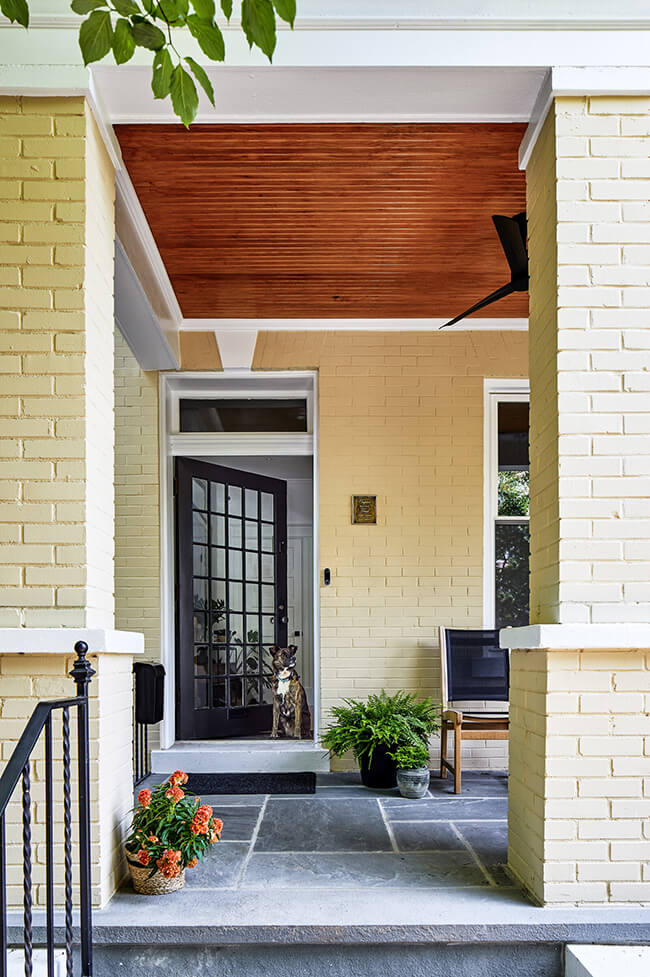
(231, 572)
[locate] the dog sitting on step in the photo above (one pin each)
(291, 716)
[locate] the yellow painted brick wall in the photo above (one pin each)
(400, 416)
(137, 506)
(579, 775)
(541, 209)
(590, 362)
(24, 681)
(56, 410)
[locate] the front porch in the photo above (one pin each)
(361, 881)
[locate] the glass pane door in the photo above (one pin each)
(232, 595)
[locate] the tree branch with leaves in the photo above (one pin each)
(121, 26)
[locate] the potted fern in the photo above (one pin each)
(412, 761)
(374, 729)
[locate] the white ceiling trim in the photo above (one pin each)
(136, 319)
(580, 82)
(124, 188)
(224, 327)
(433, 23)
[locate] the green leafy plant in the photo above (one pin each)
(121, 26)
(390, 721)
(514, 493)
(410, 756)
(171, 830)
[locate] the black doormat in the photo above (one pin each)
(252, 783)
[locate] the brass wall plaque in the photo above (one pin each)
(364, 509)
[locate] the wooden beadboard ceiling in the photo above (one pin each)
(320, 221)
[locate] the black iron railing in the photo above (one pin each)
(141, 754)
(18, 770)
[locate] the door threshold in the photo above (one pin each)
(241, 756)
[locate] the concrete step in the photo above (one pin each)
(326, 960)
(241, 756)
(602, 961)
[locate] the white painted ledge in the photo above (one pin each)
(601, 961)
(61, 641)
(566, 637)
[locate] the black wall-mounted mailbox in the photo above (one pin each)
(149, 690)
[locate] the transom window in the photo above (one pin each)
(241, 415)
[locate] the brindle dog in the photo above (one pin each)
(291, 715)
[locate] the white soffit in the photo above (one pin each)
(333, 94)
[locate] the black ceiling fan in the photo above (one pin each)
(512, 234)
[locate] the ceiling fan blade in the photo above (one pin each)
(499, 293)
(512, 235)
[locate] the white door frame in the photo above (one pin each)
(233, 384)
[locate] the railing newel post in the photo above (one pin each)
(82, 672)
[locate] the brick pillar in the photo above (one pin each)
(580, 737)
(56, 356)
(56, 455)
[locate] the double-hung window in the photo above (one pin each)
(507, 505)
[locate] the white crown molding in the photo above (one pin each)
(67, 21)
(225, 326)
(580, 82)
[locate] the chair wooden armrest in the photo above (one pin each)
(454, 716)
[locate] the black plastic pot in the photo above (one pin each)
(381, 772)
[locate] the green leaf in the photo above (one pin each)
(209, 37)
(169, 10)
(127, 8)
(184, 96)
(85, 6)
(286, 9)
(16, 11)
(163, 69)
(204, 9)
(226, 6)
(258, 24)
(123, 42)
(148, 35)
(201, 76)
(96, 36)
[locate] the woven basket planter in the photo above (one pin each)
(152, 885)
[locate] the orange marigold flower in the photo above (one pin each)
(199, 826)
(144, 798)
(205, 811)
(178, 777)
(175, 793)
(169, 863)
(143, 857)
(152, 838)
(193, 863)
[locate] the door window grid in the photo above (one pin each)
(233, 562)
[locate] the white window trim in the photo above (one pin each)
(234, 384)
(494, 392)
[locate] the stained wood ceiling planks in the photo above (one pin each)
(321, 221)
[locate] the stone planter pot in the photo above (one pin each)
(152, 885)
(380, 773)
(413, 783)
